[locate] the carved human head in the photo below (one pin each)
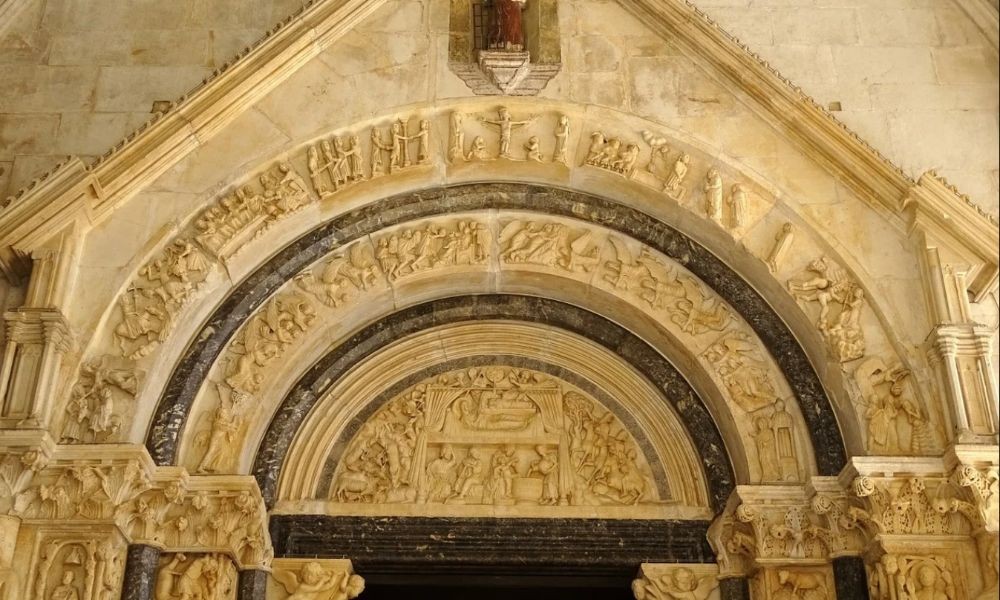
(67, 577)
(503, 112)
(312, 573)
(684, 579)
(927, 575)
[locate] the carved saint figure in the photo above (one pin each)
(767, 453)
(673, 185)
(532, 149)
(507, 31)
(478, 151)
(506, 125)
(469, 474)
(562, 139)
(738, 203)
(66, 590)
(423, 137)
(499, 485)
(456, 147)
(317, 583)
(713, 195)
(782, 242)
(440, 475)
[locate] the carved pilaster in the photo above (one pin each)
(956, 268)
(36, 341)
(291, 576)
(72, 560)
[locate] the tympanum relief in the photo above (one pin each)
(896, 422)
(493, 436)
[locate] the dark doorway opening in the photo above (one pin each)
(487, 587)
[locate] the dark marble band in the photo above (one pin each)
(645, 359)
(193, 367)
(850, 578)
(384, 547)
(519, 362)
(141, 564)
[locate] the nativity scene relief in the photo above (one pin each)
(494, 436)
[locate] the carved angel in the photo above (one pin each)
(681, 584)
(317, 583)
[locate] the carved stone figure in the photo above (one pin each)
(828, 286)
(774, 437)
(713, 195)
(782, 243)
(207, 577)
(456, 145)
(562, 141)
(505, 125)
(741, 365)
(222, 437)
(803, 585)
(532, 150)
(92, 414)
(739, 205)
(67, 588)
(679, 584)
(548, 244)
(896, 424)
(478, 151)
(547, 466)
(413, 250)
(342, 275)
(612, 155)
(673, 186)
(317, 583)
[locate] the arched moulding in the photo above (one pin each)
(655, 191)
(553, 367)
(507, 252)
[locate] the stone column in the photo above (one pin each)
(253, 585)
(141, 564)
(850, 578)
(734, 588)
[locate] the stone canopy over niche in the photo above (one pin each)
(494, 435)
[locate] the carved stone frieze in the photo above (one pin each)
(412, 250)
(493, 435)
(739, 361)
(549, 244)
(840, 301)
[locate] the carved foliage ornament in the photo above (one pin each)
(493, 435)
(909, 507)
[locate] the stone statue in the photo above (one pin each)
(507, 32)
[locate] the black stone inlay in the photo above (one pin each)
(141, 563)
(383, 547)
(519, 362)
(644, 358)
(191, 371)
(734, 588)
(850, 578)
(252, 585)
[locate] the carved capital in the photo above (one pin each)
(983, 486)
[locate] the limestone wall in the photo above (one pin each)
(916, 78)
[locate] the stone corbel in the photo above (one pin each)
(657, 581)
(297, 576)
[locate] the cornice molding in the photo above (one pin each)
(986, 18)
(74, 189)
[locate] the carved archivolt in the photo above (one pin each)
(150, 306)
(508, 243)
(494, 435)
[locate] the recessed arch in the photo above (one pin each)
(249, 295)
